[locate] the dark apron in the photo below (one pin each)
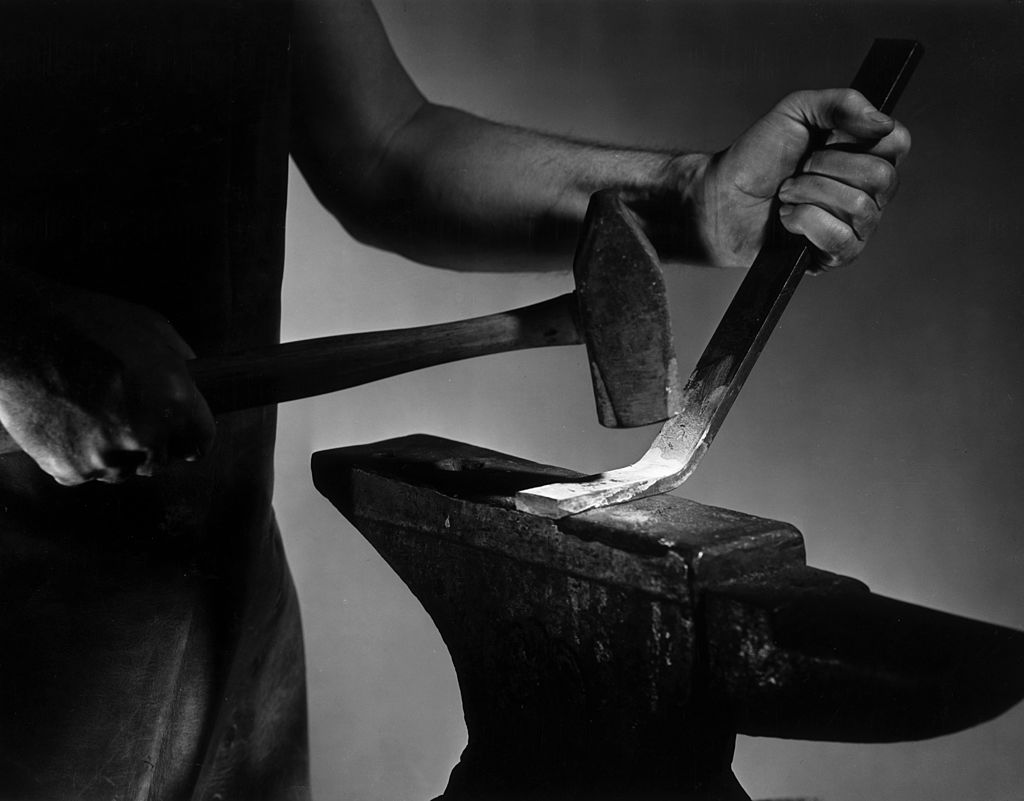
(150, 645)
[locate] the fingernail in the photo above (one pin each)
(785, 210)
(879, 117)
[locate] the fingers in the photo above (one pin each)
(119, 462)
(167, 421)
(113, 457)
(838, 214)
(845, 110)
(837, 198)
(185, 433)
(111, 396)
(869, 173)
(893, 147)
(92, 454)
(170, 418)
(856, 208)
(835, 240)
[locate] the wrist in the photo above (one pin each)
(671, 209)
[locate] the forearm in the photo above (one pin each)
(444, 187)
(440, 185)
(458, 191)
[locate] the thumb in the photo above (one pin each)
(845, 110)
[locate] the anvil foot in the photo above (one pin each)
(615, 654)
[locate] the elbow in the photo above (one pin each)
(368, 215)
(369, 185)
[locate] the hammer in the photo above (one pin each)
(619, 310)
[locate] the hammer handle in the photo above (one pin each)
(302, 369)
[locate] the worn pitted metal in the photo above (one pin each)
(615, 654)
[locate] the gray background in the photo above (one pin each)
(883, 419)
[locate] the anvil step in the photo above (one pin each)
(616, 653)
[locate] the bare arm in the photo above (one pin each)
(435, 183)
(445, 187)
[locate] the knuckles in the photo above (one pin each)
(68, 472)
(818, 103)
(137, 433)
(842, 242)
(849, 100)
(900, 140)
(836, 242)
(864, 212)
(799, 99)
(115, 398)
(883, 176)
(67, 478)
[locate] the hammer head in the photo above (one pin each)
(624, 317)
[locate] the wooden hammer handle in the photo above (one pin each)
(311, 367)
(316, 366)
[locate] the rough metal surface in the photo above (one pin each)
(616, 653)
(844, 664)
(623, 311)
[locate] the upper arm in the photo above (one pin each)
(350, 94)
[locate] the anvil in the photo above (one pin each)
(615, 654)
